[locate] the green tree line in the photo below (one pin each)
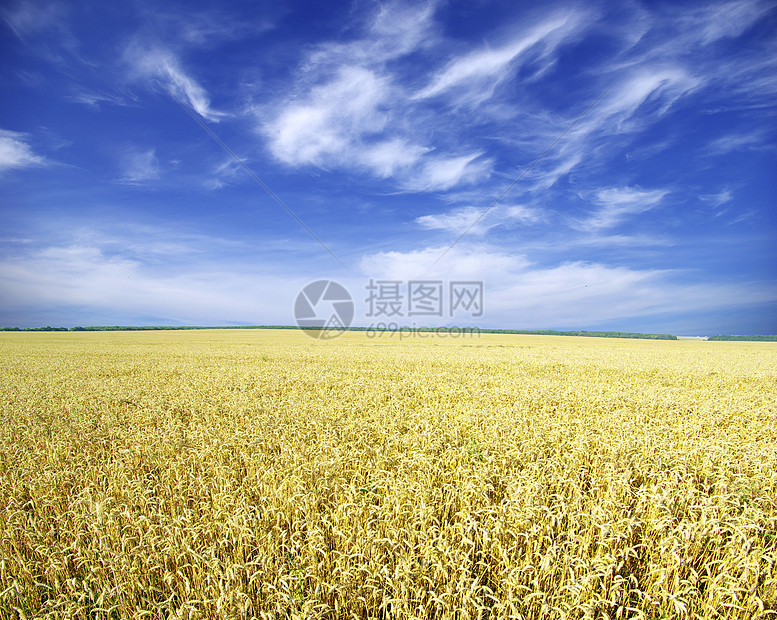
(539, 332)
(756, 337)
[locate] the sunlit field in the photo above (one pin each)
(264, 474)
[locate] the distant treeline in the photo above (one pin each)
(756, 338)
(34, 329)
(135, 328)
(553, 332)
(120, 328)
(538, 332)
(531, 332)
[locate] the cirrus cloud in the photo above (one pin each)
(15, 152)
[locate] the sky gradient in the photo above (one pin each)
(597, 165)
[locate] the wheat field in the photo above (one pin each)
(264, 474)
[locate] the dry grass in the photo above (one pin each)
(240, 474)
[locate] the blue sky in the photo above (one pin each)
(390, 129)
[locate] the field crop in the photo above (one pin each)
(263, 474)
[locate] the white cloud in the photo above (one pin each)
(44, 26)
(520, 213)
(29, 18)
(394, 31)
(349, 110)
(346, 122)
(475, 76)
(352, 109)
(156, 64)
(626, 241)
(456, 221)
(442, 173)
(718, 199)
(618, 203)
(562, 164)
(15, 152)
(639, 97)
(725, 19)
(478, 221)
(735, 142)
(647, 82)
(139, 166)
(215, 26)
(94, 99)
(519, 294)
(127, 279)
(74, 281)
(650, 78)
(223, 174)
(331, 122)
(400, 28)
(128, 273)
(470, 262)
(644, 93)
(391, 157)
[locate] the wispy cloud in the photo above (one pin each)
(472, 78)
(395, 30)
(438, 173)
(390, 158)
(223, 174)
(457, 220)
(29, 18)
(634, 100)
(736, 142)
(212, 27)
(722, 20)
(139, 166)
(352, 109)
(616, 204)
(349, 110)
(629, 241)
(45, 27)
(161, 66)
(718, 199)
(15, 152)
(649, 91)
(651, 78)
(95, 99)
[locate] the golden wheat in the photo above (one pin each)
(263, 474)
